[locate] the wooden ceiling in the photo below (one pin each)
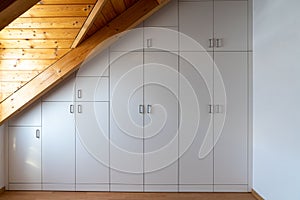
(48, 42)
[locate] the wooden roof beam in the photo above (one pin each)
(11, 9)
(65, 66)
(89, 22)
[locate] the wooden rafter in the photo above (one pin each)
(11, 9)
(69, 63)
(89, 22)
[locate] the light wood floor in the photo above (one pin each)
(9, 195)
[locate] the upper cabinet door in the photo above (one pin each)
(196, 26)
(230, 25)
(29, 117)
(167, 16)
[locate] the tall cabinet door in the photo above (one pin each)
(196, 21)
(24, 158)
(161, 121)
(230, 25)
(230, 122)
(92, 146)
(126, 121)
(58, 149)
(196, 132)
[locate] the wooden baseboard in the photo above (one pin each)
(2, 190)
(256, 195)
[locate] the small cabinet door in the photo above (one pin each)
(161, 121)
(231, 25)
(92, 146)
(24, 158)
(92, 88)
(230, 122)
(58, 149)
(126, 121)
(196, 21)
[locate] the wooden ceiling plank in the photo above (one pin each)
(89, 22)
(14, 10)
(7, 34)
(53, 75)
(119, 6)
(57, 2)
(108, 11)
(36, 54)
(59, 11)
(35, 44)
(22, 76)
(49, 22)
(23, 64)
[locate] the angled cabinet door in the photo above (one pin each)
(161, 121)
(24, 158)
(126, 121)
(196, 26)
(230, 122)
(58, 146)
(196, 125)
(230, 25)
(92, 146)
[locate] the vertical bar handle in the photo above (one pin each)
(211, 43)
(149, 43)
(219, 42)
(71, 108)
(79, 108)
(149, 108)
(37, 133)
(141, 109)
(210, 109)
(79, 94)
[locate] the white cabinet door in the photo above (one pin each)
(161, 121)
(62, 92)
(92, 147)
(167, 16)
(96, 65)
(231, 25)
(126, 123)
(24, 158)
(29, 117)
(230, 154)
(196, 92)
(92, 88)
(195, 21)
(58, 146)
(161, 39)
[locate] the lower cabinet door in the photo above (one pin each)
(231, 122)
(161, 121)
(58, 146)
(196, 127)
(24, 158)
(92, 146)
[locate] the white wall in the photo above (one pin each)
(2, 165)
(277, 99)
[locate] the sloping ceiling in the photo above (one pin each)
(49, 41)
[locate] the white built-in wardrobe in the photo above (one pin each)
(166, 108)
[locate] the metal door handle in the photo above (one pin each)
(79, 108)
(37, 133)
(71, 108)
(149, 108)
(79, 94)
(149, 43)
(210, 109)
(211, 43)
(218, 42)
(141, 109)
